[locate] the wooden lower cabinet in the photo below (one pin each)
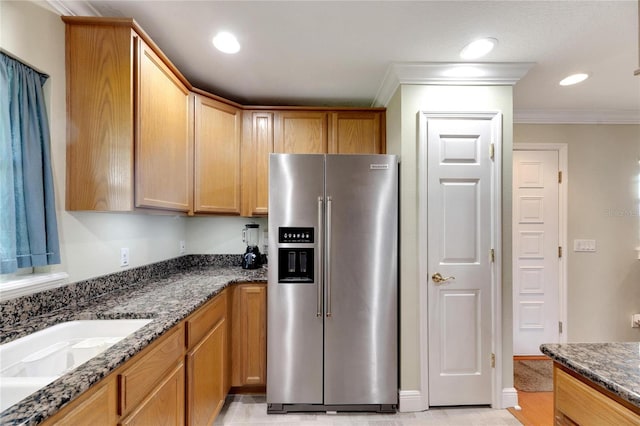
(249, 335)
(184, 376)
(164, 405)
(205, 377)
(207, 363)
(579, 403)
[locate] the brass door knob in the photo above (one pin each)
(439, 279)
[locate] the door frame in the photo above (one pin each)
(563, 166)
(496, 239)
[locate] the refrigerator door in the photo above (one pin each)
(361, 321)
(294, 329)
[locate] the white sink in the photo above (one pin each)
(32, 362)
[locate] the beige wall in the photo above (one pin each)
(402, 139)
(604, 205)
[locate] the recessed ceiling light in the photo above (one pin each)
(478, 48)
(226, 42)
(573, 79)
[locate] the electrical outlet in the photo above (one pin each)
(124, 257)
(182, 247)
(635, 321)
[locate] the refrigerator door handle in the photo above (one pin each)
(320, 259)
(328, 257)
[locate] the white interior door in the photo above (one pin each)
(536, 259)
(460, 195)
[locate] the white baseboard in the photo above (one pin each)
(509, 398)
(411, 401)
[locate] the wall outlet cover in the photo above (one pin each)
(124, 257)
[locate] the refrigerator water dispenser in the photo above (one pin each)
(295, 263)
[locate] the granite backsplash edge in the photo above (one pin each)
(75, 294)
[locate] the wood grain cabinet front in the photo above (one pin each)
(128, 120)
(97, 406)
(249, 335)
(163, 141)
(257, 144)
(579, 403)
(207, 360)
(301, 132)
(164, 405)
(218, 129)
(361, 132)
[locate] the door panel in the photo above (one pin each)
(294, 331)
(459, 242)
(535, 250)
(460, 225)
(361, 287)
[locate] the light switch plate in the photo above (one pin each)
(584, 245)
(635, 321)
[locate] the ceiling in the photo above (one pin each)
(339, 52)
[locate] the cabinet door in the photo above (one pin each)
(357, 133)
(301, 132)
(257, 144)
(249, 331)
(96, 407)
(206, 387)
(217, 157)
(164, 405)
(100, 109)
(163, 148)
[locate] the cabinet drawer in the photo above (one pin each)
(585, 405)
(96, 407)
(139, 379)
(165, 405)
(205, 318)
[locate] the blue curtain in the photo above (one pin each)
(29, 232)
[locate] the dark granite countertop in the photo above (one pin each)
(613, 366)
(166, 299)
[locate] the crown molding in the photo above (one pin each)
(575, 116)
(435, 73)
(72, 8)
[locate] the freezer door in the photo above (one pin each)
(361, 321)
(294, 329)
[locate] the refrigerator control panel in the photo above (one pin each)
(295, 235)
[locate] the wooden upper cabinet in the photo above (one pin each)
(128, 140)
(301, 132)
(99, 117)
(357, 132)
(217, 156)
(163, 148)
(257, 144)
(139, 137)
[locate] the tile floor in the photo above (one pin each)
(252, 410)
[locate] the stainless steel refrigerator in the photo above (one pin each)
(332, 337)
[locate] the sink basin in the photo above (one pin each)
(32, 362)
